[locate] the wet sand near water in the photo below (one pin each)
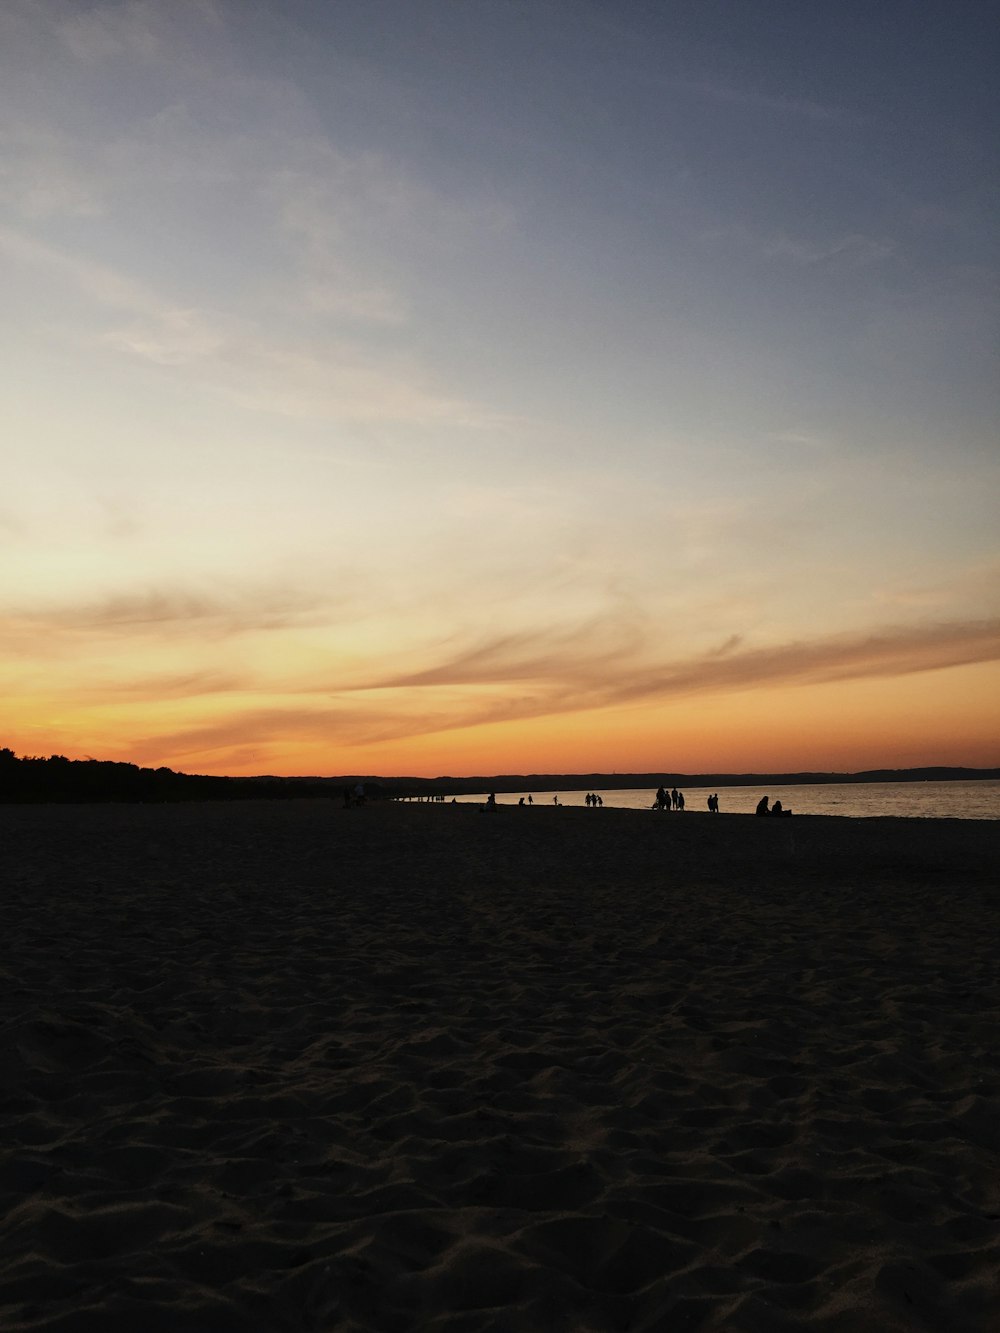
(284, 1066)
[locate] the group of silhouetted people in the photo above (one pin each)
(674, 800)
(593, 800)
(668, 800)
(776, 809)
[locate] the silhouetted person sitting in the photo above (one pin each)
(778, 809)
(762, 806)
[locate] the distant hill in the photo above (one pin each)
(525, 782)
(56, 778)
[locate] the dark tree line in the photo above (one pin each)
(56, 778)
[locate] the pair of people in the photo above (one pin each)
(776, 809)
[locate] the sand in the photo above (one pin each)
(292, 1067)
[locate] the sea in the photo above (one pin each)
(866, 800)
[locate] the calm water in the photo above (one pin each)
(925, 800)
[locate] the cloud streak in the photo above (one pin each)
(473, 687)
(574, 680)
(599, 643)
(850, 250)
(137, 30)
(800, 107)
(321, 377)
(160, 614)
(894, 651)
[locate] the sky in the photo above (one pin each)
(472, 386)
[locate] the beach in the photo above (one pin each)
(288, 1066)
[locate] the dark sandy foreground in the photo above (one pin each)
(293, 1067)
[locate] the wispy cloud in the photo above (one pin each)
(799, 107)
(554, 676)
(894, 651)
(136, 30)
(103, 284)
(848, 250)
(156, 613)
(566, 677)
(586, 649)
(158, 687)
(321, 226)
(320, 377)
(254, 728)
(975, 585)
(805, 439)
(42, 176)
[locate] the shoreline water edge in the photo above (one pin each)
(979, 799)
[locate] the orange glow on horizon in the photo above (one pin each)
(947, 718)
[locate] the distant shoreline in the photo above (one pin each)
(31, 779)
(511, 782)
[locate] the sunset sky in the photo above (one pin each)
(472, 386)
